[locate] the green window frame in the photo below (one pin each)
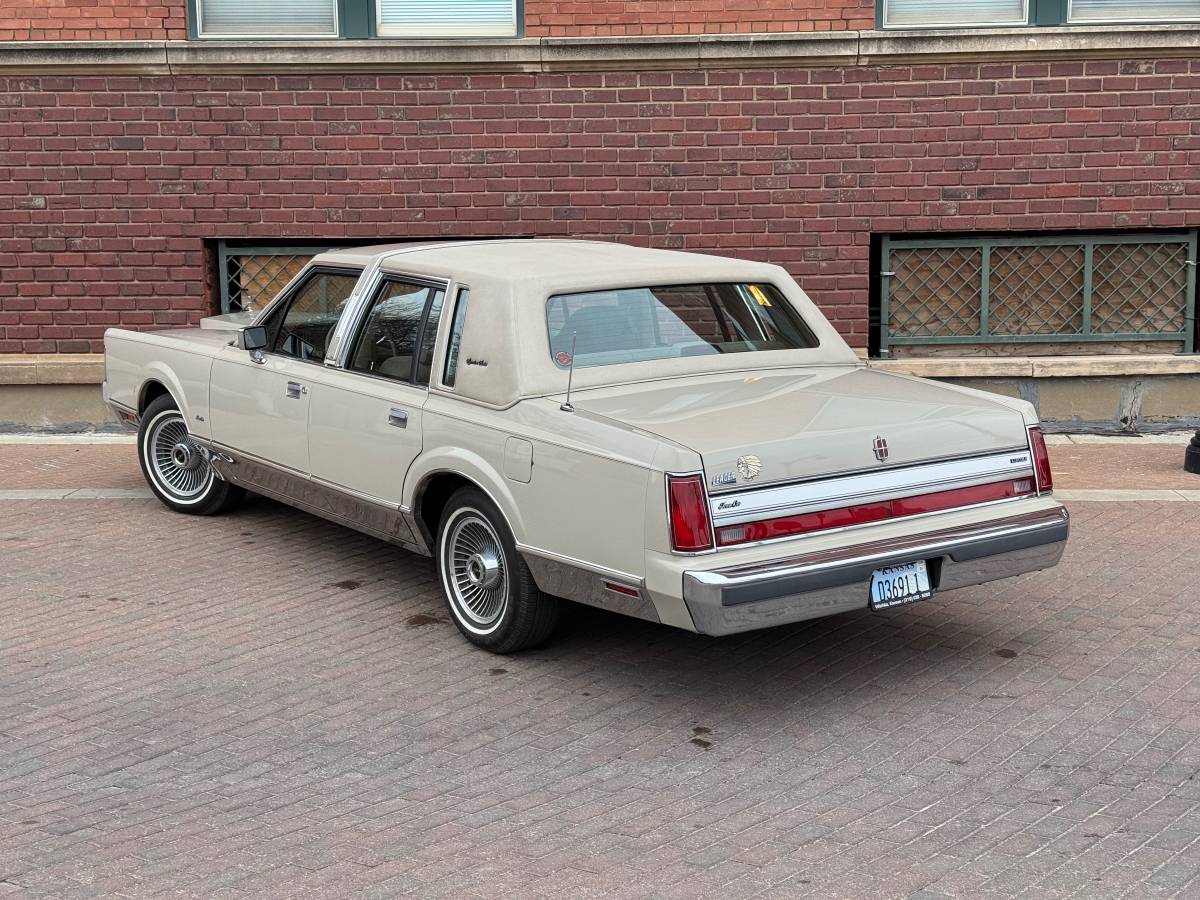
(1039, 13)
(1061, 289)
(361, 19)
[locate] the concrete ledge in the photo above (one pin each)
(230, 57)
(73, 57)
(52, 368)
(846, 48)
(1042, 367)
(991, 44)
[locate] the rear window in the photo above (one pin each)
(648, 323)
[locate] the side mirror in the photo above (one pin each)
(253, 338)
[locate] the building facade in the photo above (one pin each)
(1003, 191)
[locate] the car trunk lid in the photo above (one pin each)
(754, 429)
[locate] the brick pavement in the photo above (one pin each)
(267, 704)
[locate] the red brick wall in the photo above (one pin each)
(116, 182)
(597, 17)
(92, 20)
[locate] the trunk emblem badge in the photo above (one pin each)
(749, 466)
(881, 449)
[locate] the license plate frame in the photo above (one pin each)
(899, 585)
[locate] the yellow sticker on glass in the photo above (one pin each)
(757, 293)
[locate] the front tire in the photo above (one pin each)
(176, 470)
(490, 591)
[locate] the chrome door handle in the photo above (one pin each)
(398, 417)
(295, 389)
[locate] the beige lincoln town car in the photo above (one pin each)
(676, 437)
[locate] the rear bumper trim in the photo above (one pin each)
(739, 598)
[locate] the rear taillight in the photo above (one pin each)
(865, 513)
(687, 506)
(1041, 461)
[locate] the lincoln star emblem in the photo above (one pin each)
(881, 449)
(749, 466)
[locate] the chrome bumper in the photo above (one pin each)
(743, 598)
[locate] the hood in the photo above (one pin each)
(235, 321)
(809, 423)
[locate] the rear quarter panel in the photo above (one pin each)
(585, 496)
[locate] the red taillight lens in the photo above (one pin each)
(688, 508)
(1041, 461)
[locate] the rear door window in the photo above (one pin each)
(398, 335)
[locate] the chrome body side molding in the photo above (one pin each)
(369, 515)
(733, 508)
(746, 597)
(581, 582)
(127, 416)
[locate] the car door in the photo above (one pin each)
(365, 418)
(259, 402)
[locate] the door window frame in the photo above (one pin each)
(364, 314)
(273, 315)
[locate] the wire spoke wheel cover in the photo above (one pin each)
(179, 469)
(474, 572)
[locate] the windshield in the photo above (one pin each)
(646, 323)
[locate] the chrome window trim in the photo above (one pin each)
(771, 501)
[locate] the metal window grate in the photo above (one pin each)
(1026, 290)
(251, 276)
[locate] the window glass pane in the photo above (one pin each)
(640, 324)
(1134, 10)
(254, 17)
(429, 338)
(447, 17)
(456, 332)
(388, 340)
(955, 12)
(312, 314)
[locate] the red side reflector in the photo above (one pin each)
(1041, 461)
(687, 505)
(621, 589)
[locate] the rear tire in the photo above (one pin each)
(491, 593)
(176, 470)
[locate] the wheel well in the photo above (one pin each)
(432, 499)
(151, 391)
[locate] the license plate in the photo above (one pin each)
(897, 585)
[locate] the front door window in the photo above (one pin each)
(312, 315)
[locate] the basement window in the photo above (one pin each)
(1029, 295)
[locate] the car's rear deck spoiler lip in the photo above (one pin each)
(821, 570)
